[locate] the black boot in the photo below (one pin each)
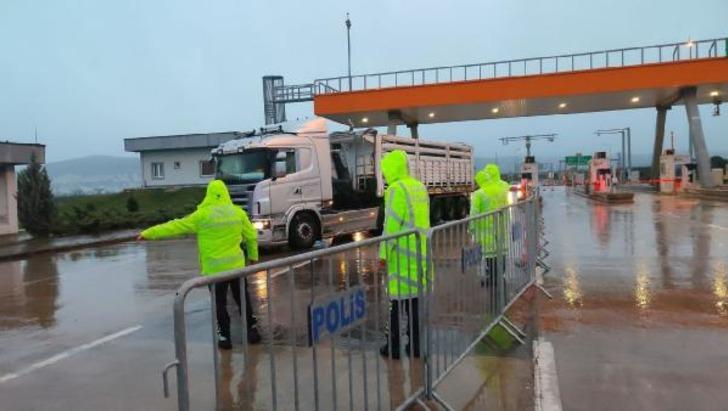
(407, 351)
(253, 335)
(223, 341)
(384, 351)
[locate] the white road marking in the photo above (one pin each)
(546, 389)
(718, 227)
(66, 354)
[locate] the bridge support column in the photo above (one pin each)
(697, 138)
(392, 129)
(413, 130)
(659, 141)
(393, 119)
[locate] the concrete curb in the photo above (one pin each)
(546, 381)
(51, 248)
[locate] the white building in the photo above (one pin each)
(12, 154)
(180, 160)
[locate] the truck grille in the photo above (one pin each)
(242, 195)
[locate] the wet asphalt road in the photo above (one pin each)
(640, 315)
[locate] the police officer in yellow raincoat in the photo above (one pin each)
(221, 228)
(407, 206)
(491, 231)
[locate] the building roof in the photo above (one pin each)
(181, 141)
(20, 153)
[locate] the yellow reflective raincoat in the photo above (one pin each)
(407, 206)
(220, 227)
(492, 195)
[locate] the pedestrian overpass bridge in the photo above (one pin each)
(660, 76)
(617, 79)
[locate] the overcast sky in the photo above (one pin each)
(90, 73)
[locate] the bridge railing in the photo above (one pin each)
(624, 57)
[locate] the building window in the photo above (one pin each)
(158, 171)
(207, 168)
(177, 165)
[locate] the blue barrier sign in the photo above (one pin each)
(471, 256)
(336, 313)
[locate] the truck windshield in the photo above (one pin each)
(246, 167)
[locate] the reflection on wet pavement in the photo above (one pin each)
(640, 313)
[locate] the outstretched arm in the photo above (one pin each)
(175, 228)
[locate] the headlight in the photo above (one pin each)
(261, 224)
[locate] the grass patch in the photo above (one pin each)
(104, 212)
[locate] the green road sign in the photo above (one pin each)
(575, 161)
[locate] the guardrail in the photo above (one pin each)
(327, 313)
(623, 57)
(293, 93)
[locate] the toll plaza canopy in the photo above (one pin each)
(636, 77)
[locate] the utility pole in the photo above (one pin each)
(348, 46)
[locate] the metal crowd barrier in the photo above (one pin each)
(325, 314)
(323, 322)
(481, 266)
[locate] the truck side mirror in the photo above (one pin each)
(279, 169)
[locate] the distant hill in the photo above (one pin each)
(94, 174)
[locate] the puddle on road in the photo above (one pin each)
(661, 260)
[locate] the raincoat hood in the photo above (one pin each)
(217, 194)
(394, 166)
(493, 172)
(481, 178)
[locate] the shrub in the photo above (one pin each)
(132, 205)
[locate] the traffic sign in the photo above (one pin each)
(575, 161)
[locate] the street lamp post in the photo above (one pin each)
(348, 46)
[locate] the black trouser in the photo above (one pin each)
(496, 267)
(410, 306)
(223, 319)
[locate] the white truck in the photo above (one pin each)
(303, 185)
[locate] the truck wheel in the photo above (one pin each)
(464, 207)
(435, 211)
(303, 231)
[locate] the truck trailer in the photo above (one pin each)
(305, 184)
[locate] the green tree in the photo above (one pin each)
(36, 209)
(132, 205)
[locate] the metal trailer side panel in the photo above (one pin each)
(444, 169)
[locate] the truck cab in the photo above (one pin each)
(279, 177)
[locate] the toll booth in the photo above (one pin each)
(600, 173)
(529, 173)
(677, 172)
